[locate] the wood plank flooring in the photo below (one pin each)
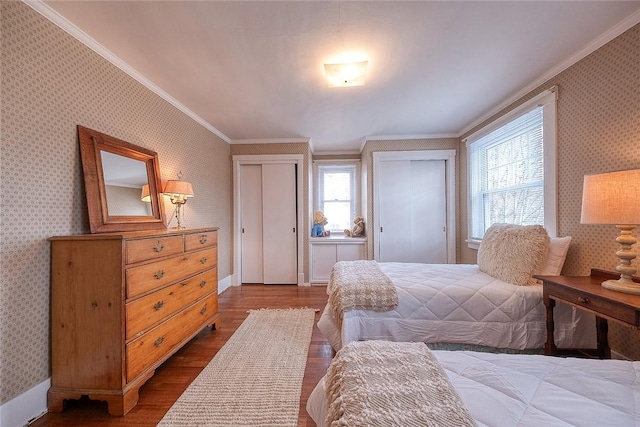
(173, 377)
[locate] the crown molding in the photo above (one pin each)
(270, 141)
(596, 44)
(66, 25)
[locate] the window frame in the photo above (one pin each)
(318, 202)
(547, 100)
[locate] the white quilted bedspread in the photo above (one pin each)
(457, 303)
(533, 390)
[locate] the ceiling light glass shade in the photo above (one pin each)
(346, 74)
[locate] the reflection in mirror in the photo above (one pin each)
(124, 179)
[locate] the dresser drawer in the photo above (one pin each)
(152, 248)
(146, 278)
(596, 304)
(197, 241)
(149, 310)
(145, 351)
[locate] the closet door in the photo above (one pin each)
(251, 217)
(412, 211)
(279, 223)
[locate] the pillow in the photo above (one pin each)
(558, 248)
(513, 253)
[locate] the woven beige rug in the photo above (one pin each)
(255, 379)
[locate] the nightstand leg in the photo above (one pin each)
(602, 330)
(550, 348)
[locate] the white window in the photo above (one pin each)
(336, 193)
(512, 171)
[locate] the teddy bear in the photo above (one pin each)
(319, 221)
(358, 228)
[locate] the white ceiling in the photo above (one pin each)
(253, 71)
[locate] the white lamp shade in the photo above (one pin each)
(611, 198)
(178, 188)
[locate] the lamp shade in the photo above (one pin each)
(178, 188)
(611, 198)
(145, 197)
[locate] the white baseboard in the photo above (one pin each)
(23, 409)
(224, 284)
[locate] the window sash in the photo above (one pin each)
(340, 209)
(507, 173)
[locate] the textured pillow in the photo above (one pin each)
(513, 253)
(558, 248)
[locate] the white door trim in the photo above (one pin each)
(249, 159)
(449, 156)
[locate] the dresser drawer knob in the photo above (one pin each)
(159, 274)
(583, 300)
(159, 247)
(204, 310)
(203, 239)
(203, 260)
(159, 342)
(203, 283)
(158, 305)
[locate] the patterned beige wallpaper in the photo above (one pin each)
(598, 131)
(398, 145)
(50, 83)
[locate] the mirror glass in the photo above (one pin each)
(124, 179)
(122, 184)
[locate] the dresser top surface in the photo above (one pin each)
(134, 234)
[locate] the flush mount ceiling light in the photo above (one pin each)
(346, 73)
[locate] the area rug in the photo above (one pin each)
(255, 379)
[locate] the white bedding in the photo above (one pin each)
(457, 303)
(533, 390)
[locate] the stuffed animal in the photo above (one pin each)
(319, 221)
(358, 228)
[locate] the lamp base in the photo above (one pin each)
(622, 285)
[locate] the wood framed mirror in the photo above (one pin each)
(122, 184)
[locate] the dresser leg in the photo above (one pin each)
(56, 400)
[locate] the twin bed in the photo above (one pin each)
(495, 305)
(495, 390)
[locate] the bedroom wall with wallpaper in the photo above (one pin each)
(598, 131)
(50, 83)
(289, 148)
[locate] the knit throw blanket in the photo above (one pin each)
(360, 285)
(382, 383)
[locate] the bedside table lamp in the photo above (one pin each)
(178, 192)
(614, 198)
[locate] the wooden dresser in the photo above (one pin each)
(121, 304)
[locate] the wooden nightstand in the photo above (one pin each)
(586, 293)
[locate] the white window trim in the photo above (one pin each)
(547, 99)
(316, 191)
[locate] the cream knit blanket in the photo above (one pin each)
(360, 285)
(382, 383)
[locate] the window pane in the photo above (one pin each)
(524, 207)
(338, 214)
(337, 186)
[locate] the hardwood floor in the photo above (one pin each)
(173, 377)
